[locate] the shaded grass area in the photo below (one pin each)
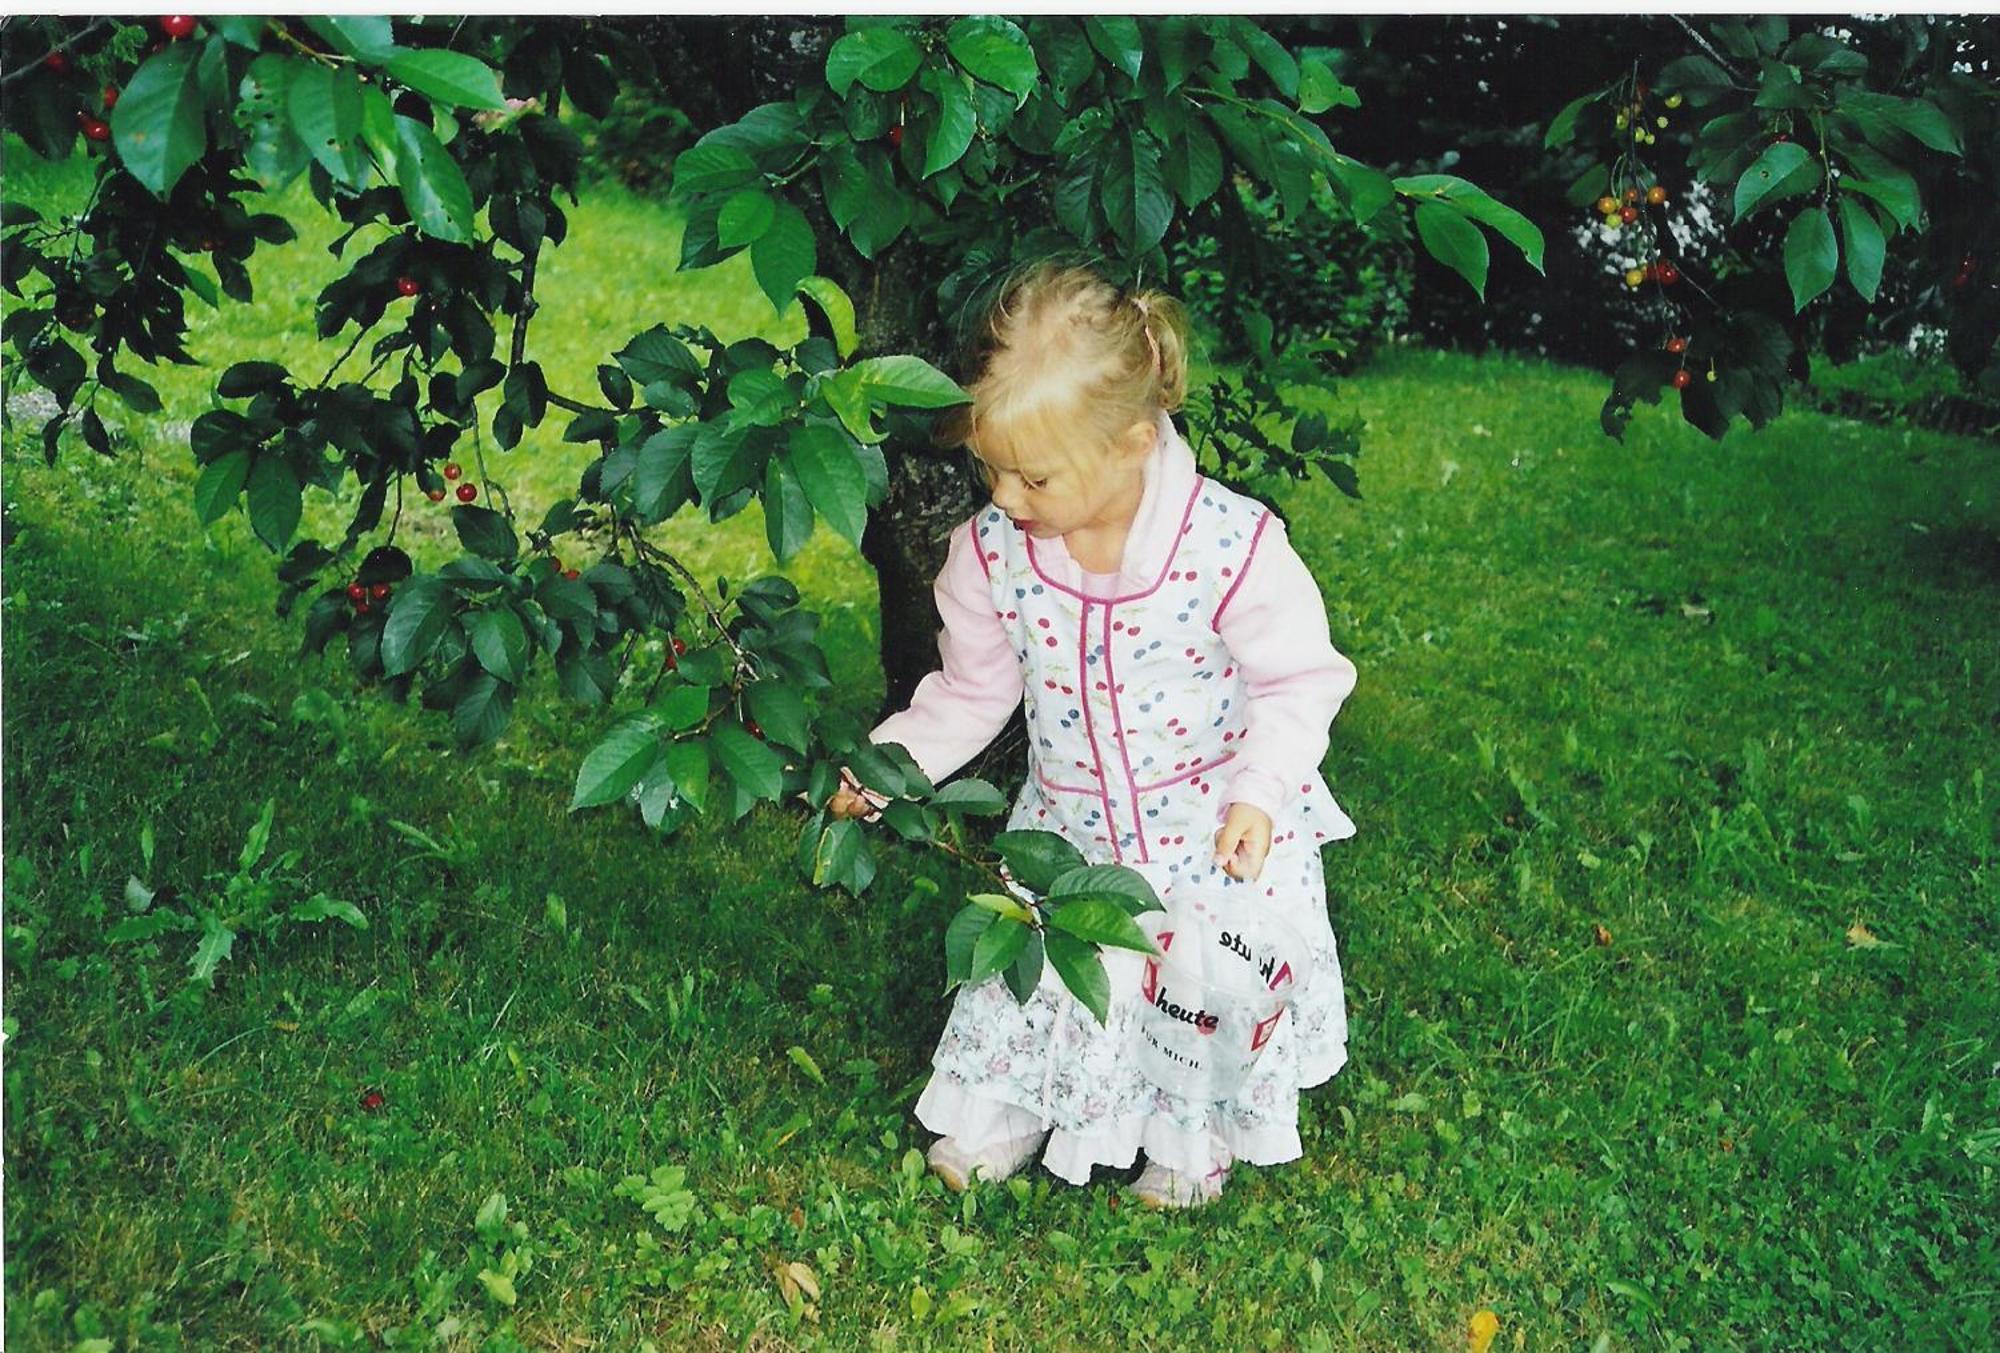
(1670, 934)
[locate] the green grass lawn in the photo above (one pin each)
(1670, 932)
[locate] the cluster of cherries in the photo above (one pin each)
(173, 27)
(365, 597)
(1632, 117)
(466, 492)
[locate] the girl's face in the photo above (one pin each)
(1053, 494)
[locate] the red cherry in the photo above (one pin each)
(571, 574)
(1628, 214)
(373, 1100)
(356, 593)
(94, 128)
(362, 608)
(1682, 379)
(435, 495)
(1669, 274)
(1656, 195)
(177, 26)
(680, 645)
(407, 286)
(467, 492)
(379, 591)
(1782, 136)
(1960, 282)
(57, 62)
(1631, 196)
(755, 731)
(208, 244)
(1677, 345)
(896, 135)
(110, 97)
(451, 470)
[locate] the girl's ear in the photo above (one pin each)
(1136, 442)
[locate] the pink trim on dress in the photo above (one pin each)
(1090, 736)
(1215, 622)
(1187, 514)
(1124, 751)
(1188, 774)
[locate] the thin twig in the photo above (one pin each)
(1703, 43)
(342, 361)
(62, 46)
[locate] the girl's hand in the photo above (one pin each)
(853, 799)
(1243, 842)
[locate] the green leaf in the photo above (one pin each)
(1268, 53)
(1562, 127)
(320, 907)
(221, 481)
(1697, 78)
(824, 462)
(995, 50)
(745, 217)
(1320, 89)
(1099, 921)
(1455, 242)
(1865, 246)
(216, 942)
(997, 948)
(755, 767)
(838, 846)
(434, 188)
(1113, 882)
(1036, 858)
(158, 126)
(687, 762)
(1081, 970)
(367, 38)
(970, 796)
(1768, 176)
(825, 293)
(258, 839)
(500, 642)
(240, 30)
(450, 78)
(1925, 121)
(1366, 188)
(621, 758)
(780, 711)
(712, 169)
(1897, 195)
(1116, 38)
(1002, 904)
(682, 708)
(485, 532)
(418, 614)
(274, 501)
(1193, 164)
(1477, 204)
(883, 59)
(483, 710)
(788, 513)
(1025, 973)
(1135, 198)
(275, 154)
(325, 106)
(1812, 256)
(957, 120)
(960, 938)
(784, 255)
(243, 379)
(657, 355)
(908, 381)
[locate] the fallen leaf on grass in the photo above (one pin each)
(1480, 1330)
(1860, 936)
(1601, 935)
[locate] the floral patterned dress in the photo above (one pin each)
(1137, 709)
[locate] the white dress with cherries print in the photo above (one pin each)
(1134, 706)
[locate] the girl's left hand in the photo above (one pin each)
(1243, 842)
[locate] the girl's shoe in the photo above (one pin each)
(1158, 1186)
(993, 1162)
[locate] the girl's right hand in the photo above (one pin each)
(853, 799)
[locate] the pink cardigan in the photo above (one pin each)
(1274, 623)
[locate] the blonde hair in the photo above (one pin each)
(1066, 363)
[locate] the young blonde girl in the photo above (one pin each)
(1172, 653)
